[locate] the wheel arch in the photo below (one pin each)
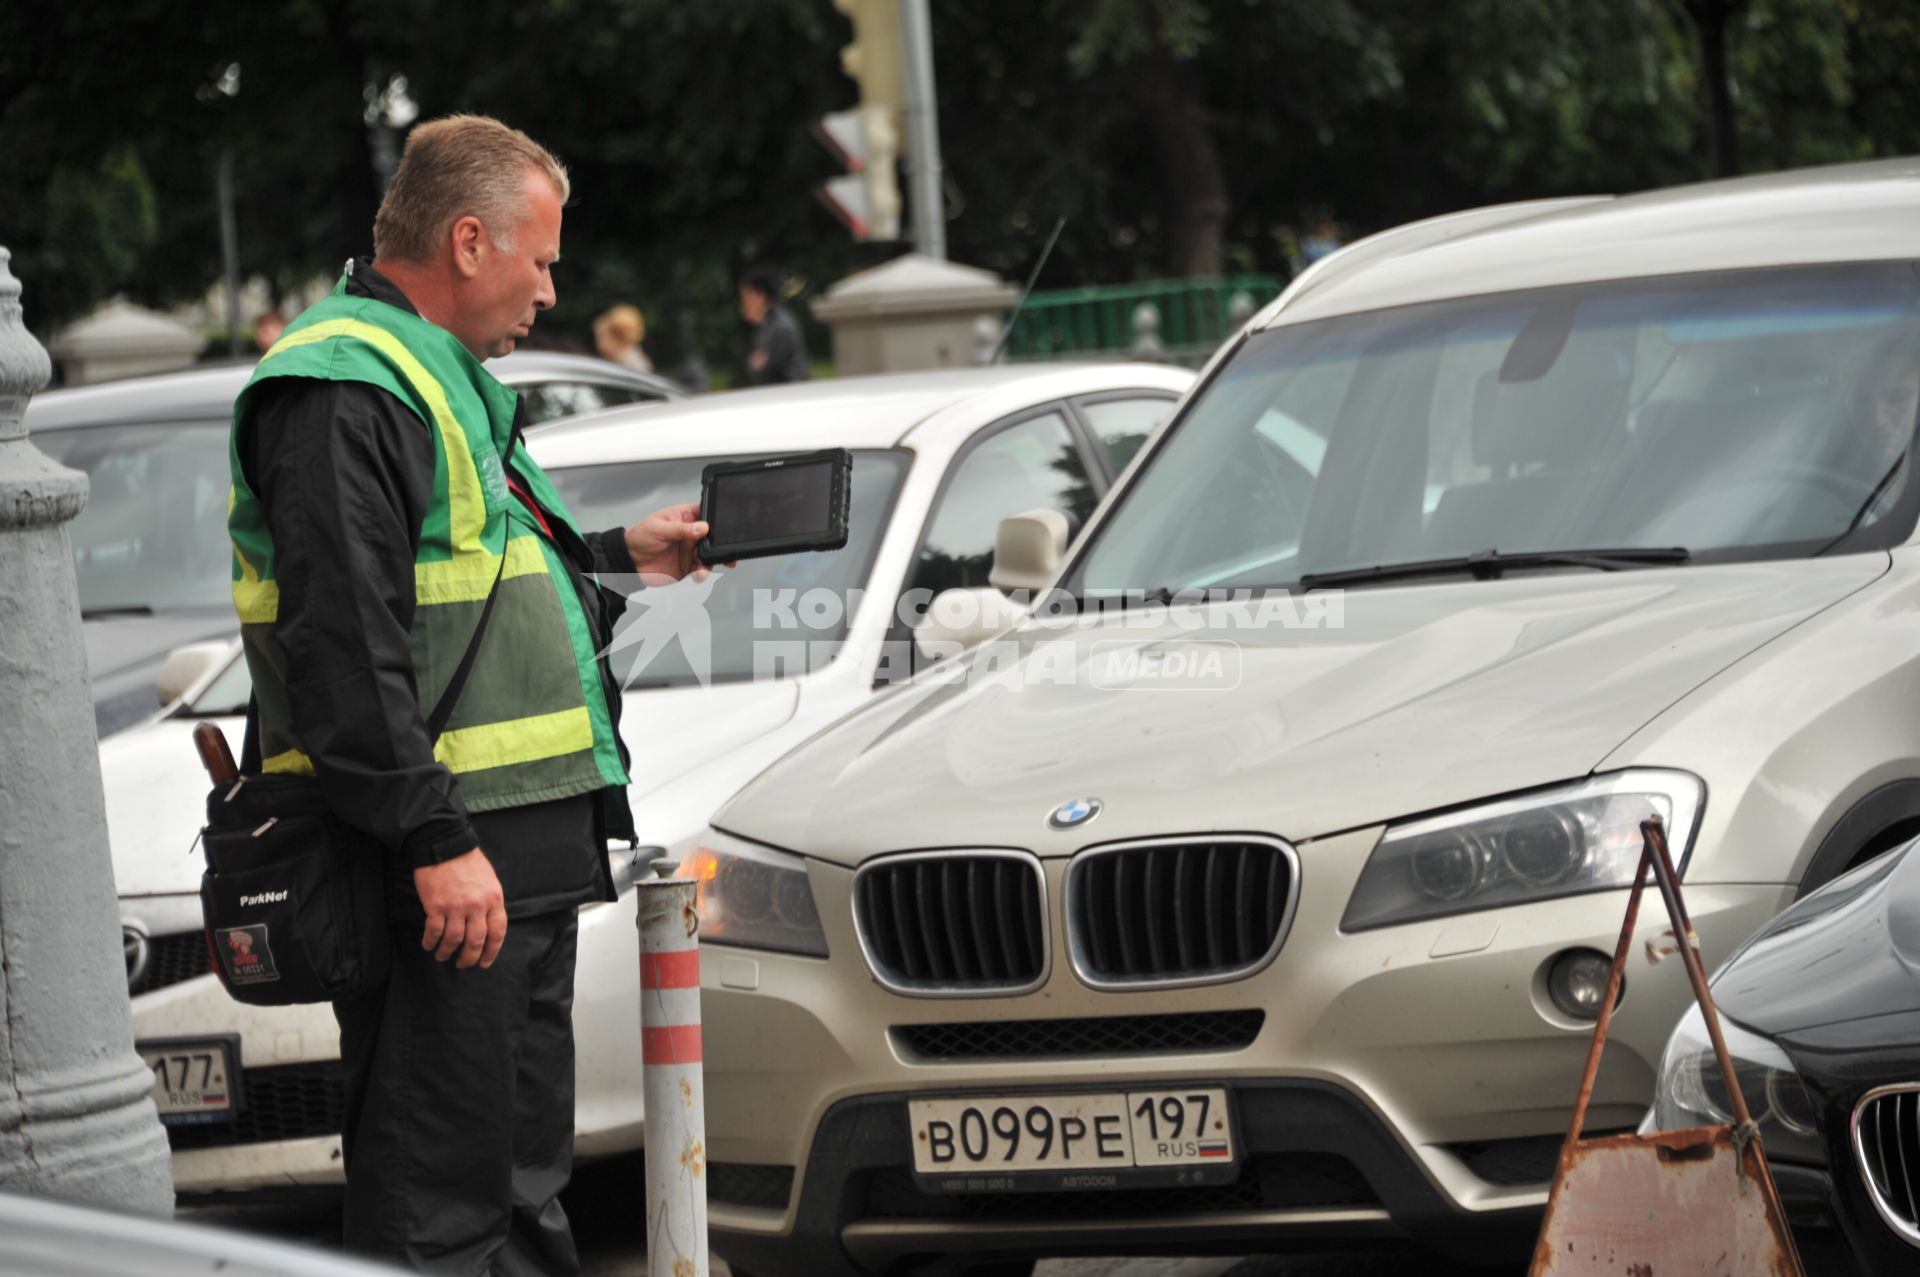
(1878, 822)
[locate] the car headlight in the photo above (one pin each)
(752, 896)
(1692, 1091)
(1558, 842)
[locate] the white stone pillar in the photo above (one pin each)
(76, 1120)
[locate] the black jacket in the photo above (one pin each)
(344, 471)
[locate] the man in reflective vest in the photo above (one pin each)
(377, 501)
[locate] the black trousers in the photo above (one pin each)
(459, 1106)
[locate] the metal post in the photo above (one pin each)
(673, 1089)
(76, 1120)
(229, 248)
(923, 131)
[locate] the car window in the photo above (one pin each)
(1751, 414)
(551, 400)
(781, 615)
(154, 533)
(228, 691)
(1122, 425)
(1031, 464)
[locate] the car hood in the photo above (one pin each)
(125, 653)
(156, 790)
(1850, 951)
(671, 731)
(1418, 699)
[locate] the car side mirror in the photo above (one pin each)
(188, 664)
(959, 619)
(1028, 549)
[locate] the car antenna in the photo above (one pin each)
(1000, 346)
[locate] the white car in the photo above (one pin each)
(150, 550)
(939, 459)
(1275, 902)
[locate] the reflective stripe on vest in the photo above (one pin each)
(561, 742)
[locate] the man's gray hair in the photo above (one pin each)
(455, 167)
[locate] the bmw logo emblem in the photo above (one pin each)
(1074, 814)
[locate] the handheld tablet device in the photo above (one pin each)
(776, 505)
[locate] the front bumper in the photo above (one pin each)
(1418, 1073)
(1316, 1165)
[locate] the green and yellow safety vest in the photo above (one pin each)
(532, 723)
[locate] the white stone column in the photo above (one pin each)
(76, 1120)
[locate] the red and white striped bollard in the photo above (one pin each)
(676, 1098)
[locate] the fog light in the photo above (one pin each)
(1577, 983)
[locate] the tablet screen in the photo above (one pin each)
(783, 501)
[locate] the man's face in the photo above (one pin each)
(507, 290)
(753, 304)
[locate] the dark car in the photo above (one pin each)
(151, 551)
(1821, 1014)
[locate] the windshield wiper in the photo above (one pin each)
(1853, 524)
(210, 711)
(134, 609)
(1488, 565)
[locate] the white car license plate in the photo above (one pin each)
(1120, 1131)
(193, 1081)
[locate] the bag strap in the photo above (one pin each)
(443, 709)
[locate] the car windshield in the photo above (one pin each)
(770, 617)
(227, 693)
(1741, 415)
(154, 533)
(803, 598)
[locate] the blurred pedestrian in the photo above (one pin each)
(617, 334)
(1324, 240)
(267, 327)
(777, 354)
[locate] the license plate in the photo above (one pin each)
(194, 1081)
(1099, 1140)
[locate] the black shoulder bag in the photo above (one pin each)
(294, 898)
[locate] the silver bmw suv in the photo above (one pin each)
(1256, 887)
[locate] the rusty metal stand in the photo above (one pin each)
(1692, 1201)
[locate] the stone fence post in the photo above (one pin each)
(76, 1117)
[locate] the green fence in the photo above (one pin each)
(1194, 316)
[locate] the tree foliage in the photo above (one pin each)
(1174, 136)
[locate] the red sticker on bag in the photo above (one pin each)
(246, 955)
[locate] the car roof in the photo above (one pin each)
(1840, 213)
(878, 411)
(555, 365)
(195, 394)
